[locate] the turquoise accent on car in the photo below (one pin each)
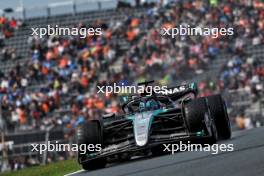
(155, 112)
(193, 85)
(124, 99)
(200, 133)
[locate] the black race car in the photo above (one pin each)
(149, 122)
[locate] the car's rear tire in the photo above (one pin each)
(195, 112)
(218, 110)
(90, 133)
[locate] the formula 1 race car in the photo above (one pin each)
(149, 122)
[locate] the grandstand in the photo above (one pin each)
(21, 146)
(20, 39)
(36, 93)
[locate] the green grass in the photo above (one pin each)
(54, 169)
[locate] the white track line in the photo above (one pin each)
(74, 172)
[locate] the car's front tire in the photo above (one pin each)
(197, 117)
(90, 133)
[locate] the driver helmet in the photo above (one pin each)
(141, 106)
(152, 104)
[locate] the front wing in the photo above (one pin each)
(131, 147)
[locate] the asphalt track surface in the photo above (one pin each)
(247, 159)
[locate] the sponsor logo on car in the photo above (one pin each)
(174, 90)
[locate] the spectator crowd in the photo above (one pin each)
(7, 29)
(8, 26)
(63, 71)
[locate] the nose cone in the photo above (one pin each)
(141, 127)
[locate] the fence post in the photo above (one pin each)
(99, 5)
(47, 134)
(74, 7)
(23, 13)
(48, 11)
(3, 129)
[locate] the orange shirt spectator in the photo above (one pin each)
(49, 55)
(192, 62)
(114, 109)
(44, 70)
(89, 103)
(2, 20)
(22, 116)
(99, 104)
(45, 107)
(134, 22)
(63, 62)
(131, 35)
(13, 23)
(167, 25)
(84, 81)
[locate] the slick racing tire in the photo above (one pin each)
(195, 114)
(90, 133)
(218, 110)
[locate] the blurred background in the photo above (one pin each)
(48, 85)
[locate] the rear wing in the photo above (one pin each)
(173, 93)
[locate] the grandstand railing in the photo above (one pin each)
(57, 8)
(17, 146)
(241, 102)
